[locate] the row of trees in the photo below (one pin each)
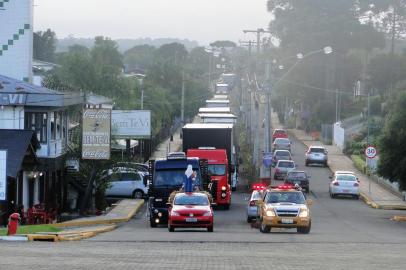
(366, 37)
(101, 70)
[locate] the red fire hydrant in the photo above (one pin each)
(13, 223)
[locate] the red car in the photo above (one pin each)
(190, 210)
(279, 133)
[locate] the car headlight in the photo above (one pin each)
(207, 214)
(304, 213)
(270, 213)
(223, 188)
(174, 213)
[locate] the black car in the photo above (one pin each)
(298, 177)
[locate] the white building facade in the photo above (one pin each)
(16, 39)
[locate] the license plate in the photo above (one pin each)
(346, 190)
(191, 219)
(287, 221)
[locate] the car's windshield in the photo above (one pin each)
(281, 141)
(286, 164)
(256, 195)
(285, 197)
(296, 175)
(217, 169)
(346, 177)
(316, 150)
(282, 154)
(280, 132)
(191, 200)
(172, 177)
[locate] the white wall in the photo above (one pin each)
(339, 135)
(11, 117)
(16, 61)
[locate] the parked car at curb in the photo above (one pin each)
(126, 182)
(280, 154)
(300, 178)
(282, 144)
(279, 133)
(190, 210)
(282, 168)
(316, 155)
(344, 183)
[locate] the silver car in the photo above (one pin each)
(316, 155)
(252, 208)
(126, 182)
(282, 168)
(282, 144)
(344, 183)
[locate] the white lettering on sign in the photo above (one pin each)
(99, 114)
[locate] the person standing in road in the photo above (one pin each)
(189, 178)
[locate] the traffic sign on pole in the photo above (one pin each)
(370, 152)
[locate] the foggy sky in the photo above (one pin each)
(201, 20)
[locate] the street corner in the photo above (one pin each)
(369, 201)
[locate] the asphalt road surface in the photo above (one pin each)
(346, 233)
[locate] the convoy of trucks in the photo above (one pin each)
(209, 148)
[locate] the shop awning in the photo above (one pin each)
(21, 146)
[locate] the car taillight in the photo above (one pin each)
(336, 184)
(253, 203)
(356, 184)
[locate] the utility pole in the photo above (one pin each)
(182, 113)
(259, 31)
(248, 44)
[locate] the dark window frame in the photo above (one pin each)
(38, 122)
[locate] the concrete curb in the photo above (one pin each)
(399, 218)
(84, 234)
(78, 223)
(363, 196)
(369, 202)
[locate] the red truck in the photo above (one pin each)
(217, 162)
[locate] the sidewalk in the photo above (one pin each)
(122, 212)
(371, 192)
(168, 146)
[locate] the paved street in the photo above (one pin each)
(345, 233)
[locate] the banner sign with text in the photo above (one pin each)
(96, 134)
(134, 124)
(3, 174)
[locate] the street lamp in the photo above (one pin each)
(300, 57)
(140, 77)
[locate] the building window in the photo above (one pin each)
(53, 126)
(37, 122)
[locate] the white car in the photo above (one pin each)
(316, 155)
(283, 167)
(252, 208)
(344, 183)
(126, 182)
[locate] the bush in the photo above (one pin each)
(359, 163)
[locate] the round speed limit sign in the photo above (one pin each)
(370, 152)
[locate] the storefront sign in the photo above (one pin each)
(96, 134)
(3, 174)
(131, 124)
(13, 99)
